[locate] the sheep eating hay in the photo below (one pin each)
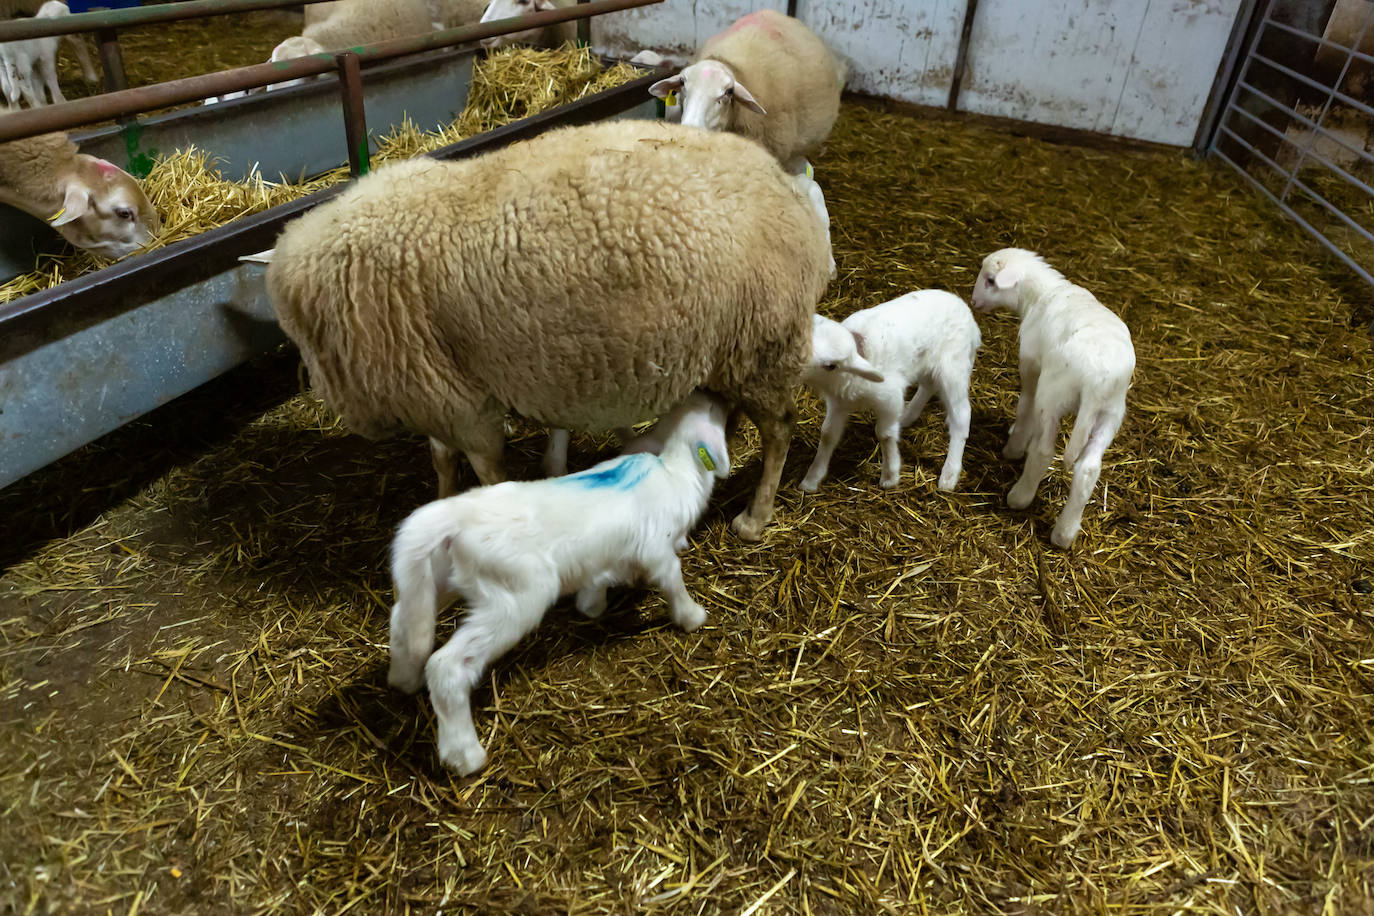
(588, 279)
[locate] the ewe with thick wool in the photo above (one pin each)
(566, 282)
(94, 204)
(769, 78)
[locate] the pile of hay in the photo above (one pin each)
(192, 196)
(904, 701)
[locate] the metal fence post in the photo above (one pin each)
(355, 116)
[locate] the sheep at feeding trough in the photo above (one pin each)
(548, 36)
(29, 66)
(512, 549)
(94, 204)
(289, 49)
(768, 78)
(926, 338)
(1076, 357)
(561, 278)
(349, 23)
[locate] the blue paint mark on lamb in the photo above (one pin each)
(621, 473)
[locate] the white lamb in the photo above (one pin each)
(29, 66)
(511, 549)
(1076, 357)
(349, 23)
(549, 36)
(767, 77)
(926, 338)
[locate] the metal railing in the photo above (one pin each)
(80, 112)
(1278, 132)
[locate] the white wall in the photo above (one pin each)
(1134, 68)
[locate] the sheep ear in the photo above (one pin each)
(746, 98)
(859, 343)
(74, 205)
(1009, 276)
(541, 6)
(664, 87)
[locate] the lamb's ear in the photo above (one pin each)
(541, 6)
(663, 87)
(1009, 276)
(74, 205)
(859, 343)
(746, 98)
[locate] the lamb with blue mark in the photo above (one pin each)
(509, 550)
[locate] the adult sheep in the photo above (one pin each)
(349, 23)
(589, 279)
(768, 78)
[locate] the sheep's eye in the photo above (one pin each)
(125, 213)
(830, 367)
(989, 281)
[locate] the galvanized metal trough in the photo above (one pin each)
(82, 359)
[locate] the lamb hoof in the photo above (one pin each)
(1064, 536)
(465, 759)
(690, 618)
(1012, 453)
(404, 679)
(810, 485)
(591, 605)
(948, 481)
(888, 481)
(681, 544)
(747, 527)
(1019, 498)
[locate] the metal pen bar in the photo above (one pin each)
(956, 79)
(1298, 116)
(1349, 178)
(1335, 93)
(18, 29)
(1292, 181)
(1354, 52)
(27, 123)
(354, 113)
(1308, 227)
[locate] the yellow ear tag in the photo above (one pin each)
(810, 172)
(57, 214)
(705, 457)
(671, 98)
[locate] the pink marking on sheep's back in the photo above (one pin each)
(758, 20)
(107, 168)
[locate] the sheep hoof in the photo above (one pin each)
(1012, 452)
(747, 527)
(591, 604)
(948, 481)
(888, 481)
(810, 484)
(466, 759)
(689, 617)
(1018, 498)
(1063, 536)
(406, 681)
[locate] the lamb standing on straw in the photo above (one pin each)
(512, 549)
(1076, 357)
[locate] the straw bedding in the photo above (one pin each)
(903, 702)
(192, 197)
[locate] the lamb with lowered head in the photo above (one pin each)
(1076, 357)
(512, 549)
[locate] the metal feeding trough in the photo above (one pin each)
(82, 359)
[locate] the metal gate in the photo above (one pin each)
(1298, 124)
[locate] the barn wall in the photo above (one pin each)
(1124, 67)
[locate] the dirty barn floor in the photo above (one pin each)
(903, 700)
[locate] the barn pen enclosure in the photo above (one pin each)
(904, 699)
